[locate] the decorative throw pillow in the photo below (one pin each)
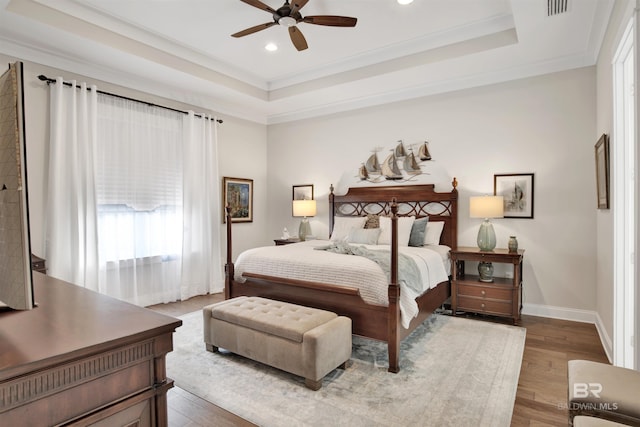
(343, 224)
(434, 230)
(418, 230)
(404, 230)
(373, 221)
(364, 236)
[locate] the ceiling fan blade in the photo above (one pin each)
(331, 20)
(297, 5)
(259, 5)
(253, 29)
(297, 38)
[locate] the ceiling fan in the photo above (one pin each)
(289, 16)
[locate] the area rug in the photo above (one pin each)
(453, 372)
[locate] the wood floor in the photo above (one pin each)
(542, 389)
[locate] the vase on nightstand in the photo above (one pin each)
(513, 244)
(485, 270)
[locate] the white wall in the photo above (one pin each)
(543, 125)
(604, 218)
(242, 152)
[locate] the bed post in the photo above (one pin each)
(228, 268)
(393, 344)
(332, 209)
(454, 215)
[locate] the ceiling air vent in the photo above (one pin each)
(556, 7)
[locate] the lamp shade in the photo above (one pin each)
(304, 208)
(486, 207)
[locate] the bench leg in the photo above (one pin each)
(313, 385)
(212, 348)
(345, 364)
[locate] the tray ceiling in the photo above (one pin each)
(182, 49)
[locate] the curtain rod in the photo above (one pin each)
(49, 81)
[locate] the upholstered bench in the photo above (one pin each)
(303, 341)
(603, 391)
(582, 421)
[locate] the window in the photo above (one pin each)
(138, 181)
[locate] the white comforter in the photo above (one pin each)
(300, 261)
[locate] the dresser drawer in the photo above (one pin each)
(481, 305)
(129, 413)
(485, 292)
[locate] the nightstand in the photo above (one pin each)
(38, 264)
(280, 242)
(502, 297)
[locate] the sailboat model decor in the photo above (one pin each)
(400, 164)
(362, 172)
(400, 151)
(390, 169)
(372, 165)
(423, 152)
(410, 164)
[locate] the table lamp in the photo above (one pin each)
(486, 207)
(304, 208)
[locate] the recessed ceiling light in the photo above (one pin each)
(271, 47)
(403, 2)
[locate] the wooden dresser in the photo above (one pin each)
(501, 297)
(81, 358)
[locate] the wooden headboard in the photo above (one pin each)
(412, 200)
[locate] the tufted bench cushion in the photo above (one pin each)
(301, 340)
(277, 318)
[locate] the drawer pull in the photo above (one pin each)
(482, 305)
(483, 293)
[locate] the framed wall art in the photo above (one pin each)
(602, 171)
(517, 190)
(302, 192)
(237, 194)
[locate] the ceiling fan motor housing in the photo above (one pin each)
(284, 17)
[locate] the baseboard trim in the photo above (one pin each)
(606, 340)
(553, 312)
(576, 315)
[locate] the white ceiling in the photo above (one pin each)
(182, 49)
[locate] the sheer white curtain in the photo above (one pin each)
(71, 236)
(202, 262)
(139, 186)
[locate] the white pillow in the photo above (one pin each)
(343, 224)
(434, 230)
(364, 236)
(404, 230)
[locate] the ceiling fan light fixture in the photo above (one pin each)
(405, 2)
(289, 16)
(287, 21)
(271, 47)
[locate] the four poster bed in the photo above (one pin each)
(380, 321)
